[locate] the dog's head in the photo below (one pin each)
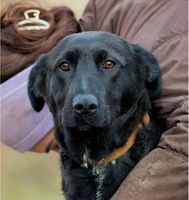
(89, 80)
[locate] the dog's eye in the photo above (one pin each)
(109, 64)
(65, 67)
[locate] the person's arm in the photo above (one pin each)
(95, 12)
(22, 128)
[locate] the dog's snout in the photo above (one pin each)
(85, 104)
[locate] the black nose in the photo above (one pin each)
(85, 104)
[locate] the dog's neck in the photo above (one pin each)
(113, 156)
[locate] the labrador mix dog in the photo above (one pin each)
(99, 89)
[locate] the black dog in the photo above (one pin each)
(98, 88)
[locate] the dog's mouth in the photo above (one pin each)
(87, 130)
(90, 128)
(84, 128)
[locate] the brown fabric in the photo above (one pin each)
(159, 176)
(20, 48)
(161, 27)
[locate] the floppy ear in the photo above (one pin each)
(36, 84)
(149, 70)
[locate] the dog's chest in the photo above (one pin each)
(100, 174)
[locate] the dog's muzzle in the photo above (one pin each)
(85, 104)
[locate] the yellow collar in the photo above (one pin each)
(126, 146)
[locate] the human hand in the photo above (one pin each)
(46, 144)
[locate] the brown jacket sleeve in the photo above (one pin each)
(95, 14)
(161, 27)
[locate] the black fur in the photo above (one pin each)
(123, 95)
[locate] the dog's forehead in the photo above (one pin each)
(88, 41)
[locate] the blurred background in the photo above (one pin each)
(29, 176)
(32, 176)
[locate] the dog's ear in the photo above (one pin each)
(149, 70)
(36, 84)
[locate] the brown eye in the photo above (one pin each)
(65, 67)
(109, 64)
